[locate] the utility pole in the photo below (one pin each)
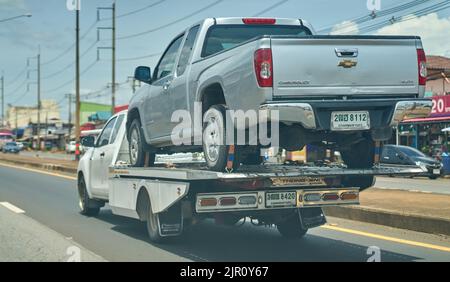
(69, 96)
(113, 98)
(39, 98)
(3, 99)
(16, 120)
(77, 87)
(113, 50)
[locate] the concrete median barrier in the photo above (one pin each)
(427, 224)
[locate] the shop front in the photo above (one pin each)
(428, 134)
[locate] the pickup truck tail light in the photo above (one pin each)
(422, 64)
(263, 67)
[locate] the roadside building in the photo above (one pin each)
(426, 133)
(22, 116)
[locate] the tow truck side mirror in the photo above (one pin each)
(143, 74)
(88, 141)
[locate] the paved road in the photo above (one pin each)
(441, 185)
(52, 201)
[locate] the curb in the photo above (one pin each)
(45, 166)
(434, 225)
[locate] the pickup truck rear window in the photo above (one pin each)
(223, 37)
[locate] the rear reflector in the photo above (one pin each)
(258, 21)
(422, 65)
(330, 197)
(247, 200)
(227, 201)
(349, 196)
(208, 202)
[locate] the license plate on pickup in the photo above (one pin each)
(358, 120)
(436, 171)
(281, 199)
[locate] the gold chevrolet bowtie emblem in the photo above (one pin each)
(347, 64)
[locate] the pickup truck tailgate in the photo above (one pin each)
(344, 66)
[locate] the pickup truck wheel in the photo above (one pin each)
(136, 144)
(292, 227)
(214, 136)
(84, 202)
(361, 155)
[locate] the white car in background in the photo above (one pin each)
(71, 147)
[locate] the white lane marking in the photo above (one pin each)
(12, 207)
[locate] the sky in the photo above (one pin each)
(52, 29)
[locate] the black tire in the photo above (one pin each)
(215, 149)
(87, 206)
(153, 225)
(361, 155)
(136, 144)
(433, 177)
(292, 227)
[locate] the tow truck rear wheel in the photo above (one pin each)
(360, 155)
(292, 227)
(152, 223)
(88, 206)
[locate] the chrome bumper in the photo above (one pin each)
(304, 113)
(292, 112)
(411, 109)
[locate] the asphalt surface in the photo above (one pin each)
(52, 201)
(422, 184)
(23, 239)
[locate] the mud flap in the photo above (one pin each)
(311, 217)
(171, 221)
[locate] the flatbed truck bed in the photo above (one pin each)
(180, 194)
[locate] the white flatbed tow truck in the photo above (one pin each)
(171, 196)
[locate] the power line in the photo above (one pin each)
(72, 63)
(170, 23)
(18, 87)
(71, 46)
(138, 58)
(429, 9)
(73, 79)
(136, 11)
(270, 8)
(425, 11)
(366, 18)
(18, 76)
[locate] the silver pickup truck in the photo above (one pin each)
(344, 92)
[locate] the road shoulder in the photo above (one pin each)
(24, 239)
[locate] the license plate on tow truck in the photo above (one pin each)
(358, 120)
(281, 199)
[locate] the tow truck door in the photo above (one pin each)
(101, 159)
